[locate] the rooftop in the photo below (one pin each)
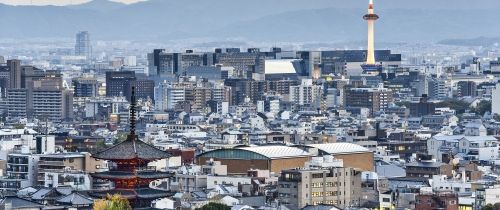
(340, 148)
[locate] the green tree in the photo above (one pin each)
(483, 107)
(458, 105)
(18, 126)
(121, 136)
(112, 202)
(496, 117)
(214, 206)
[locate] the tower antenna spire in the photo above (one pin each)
(132, 135)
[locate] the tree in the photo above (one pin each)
(455, 104)
(496, 117)
(483, 107)
(214, 206)
(112, 202)
(18, 126)
(490, 206)
(120, 137)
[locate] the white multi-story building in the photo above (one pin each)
(495, 100)
(306, 93)
(95, 106)
(482, 148)
(166, 96)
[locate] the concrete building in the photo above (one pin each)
(53, 105)
(352, 155)
(168, 96)
(427, 169)
(337, 186)
(116, 82)
(64, 163)
(15, 73)
(85, 87)
(102, 107)
(375, 99)
(466, 88)
(306, 94)
(495, 100)
(82, 45)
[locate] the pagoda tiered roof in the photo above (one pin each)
(132, 148)
(113, 175)
(133, 194)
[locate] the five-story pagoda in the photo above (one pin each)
(129, 169)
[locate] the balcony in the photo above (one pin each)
(51, 163)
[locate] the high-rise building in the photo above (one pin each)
(39, 94)
(245, 64)
(17, 102)
(375, 99)
(85, 87)
(15, 73)
(167, 96)
(144, 88)
(306, 94)
(467, 88)
(82, 46)
(495, 100)
(52, 104)
(116, 81)
(162, 63)
(438, 89)
(244, 88)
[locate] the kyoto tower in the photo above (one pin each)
(371, 17)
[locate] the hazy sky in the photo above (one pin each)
(55, 2)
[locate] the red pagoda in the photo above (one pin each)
(129, 169)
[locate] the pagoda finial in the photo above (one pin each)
(132, 135)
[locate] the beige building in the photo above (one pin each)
(67, 162)
(335, 186)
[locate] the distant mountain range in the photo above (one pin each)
(258, 20)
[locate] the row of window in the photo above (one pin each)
(328, 193)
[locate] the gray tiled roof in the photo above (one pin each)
(19, 203)
(75, 199)
(131, 149)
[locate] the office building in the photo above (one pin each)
(17, 103)
(245, 64)
(375, 99)
(116, 82)
(422, 107)
(85, 87)
(466, 88)
(168, 96)
(15, 73)
(82, 46)
(144, 89)
(52, 104)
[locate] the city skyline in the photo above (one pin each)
(250, 104)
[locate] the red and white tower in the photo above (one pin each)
(371, 17)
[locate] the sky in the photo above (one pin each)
(55, 2)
